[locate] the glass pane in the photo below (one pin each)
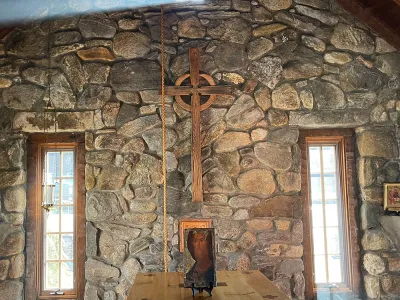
(57, 192)
(330, 186)
(316, 191)
(52, 275)
(67, 191)
(318, 241)
(53, 163)
(67, 247)
(329, 158)
(332, 239)
(52, 220)
(314, 158)
(67, 275)
(317, 214)
(319, 269)
(52, 246)
(67, 164)
(67, 218)
(335, 269)
(331, 211)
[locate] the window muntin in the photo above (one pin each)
(58, 263)
(326, 214)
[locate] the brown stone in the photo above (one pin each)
(214, 210)
(131, 44)
(112, 248)
(263, 97)
(391, 284)
(351, 38)
(243, 201)
(15, 199)
(267, 30)
(373, 263)
(241, 214)
(247, 241)
(231, 141)
(5, 82)
(274, 155)
(226, 246)
(379, 143)
(339, 58)
(217, 181)
(100, 157)
(4, 265)
(275, 5)
(277, 117)
(282, 224)
(257, 181)
(12, 178)
(285, 97)
(109, 141)
(11, 289)
(227, 228)
(394, 264)
(96, 53)
(375, 240)
(17, 267)
(289, 182)
(239, 262)
(136, 145)
(129, 24)
(13, 244)
(260, 224)
(279, 206)
(111, 178)
(191, 28)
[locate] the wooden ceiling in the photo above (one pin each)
(383, 16)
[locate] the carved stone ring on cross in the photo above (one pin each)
(203, 106)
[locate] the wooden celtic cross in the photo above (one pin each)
(195, 91)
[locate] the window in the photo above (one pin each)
(59, 234)
(330, 213)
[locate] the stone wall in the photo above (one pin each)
(301, 64)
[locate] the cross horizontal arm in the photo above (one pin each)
(205, 90)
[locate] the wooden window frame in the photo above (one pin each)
(345, 139)
(35, 214)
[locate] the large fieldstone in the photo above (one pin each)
(139, 125)
(100, 157)
(291, 266)
(72, 67)
(147, 171)
(267, 70)
(96, 53)
(320, 15)
(327, 95)
(135, 75)
(389, 63)
(244, 113)
(111, 178)
(15, 199)
(131, 44)
(217, 181)
(23, 97)
(232, 140)
(279, 206)
(275, 5)
(391, 284)
(243, 201)
(354, 39)
(373, 263)
(94, 97)
(112, 248)
(257, 181)
(61, 94)
(375, 240)
(12, 178)
(13, 243)
(356, 76)
(28, 43)
(230, 56)
(102, 206)
(97, 271)
(285, 97)
(153, 139)
(275, 156)
(235, 30)
(11, 290)
(227, 228)
(372, 287)
(379, 143)
(191, 28)
(97, 26)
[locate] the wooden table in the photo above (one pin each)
(232, 285)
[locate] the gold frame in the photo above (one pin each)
(191, 223)
(386, 206)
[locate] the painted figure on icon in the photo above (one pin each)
(199, 258)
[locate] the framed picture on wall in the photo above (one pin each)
(392, 196)
(191, 223)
